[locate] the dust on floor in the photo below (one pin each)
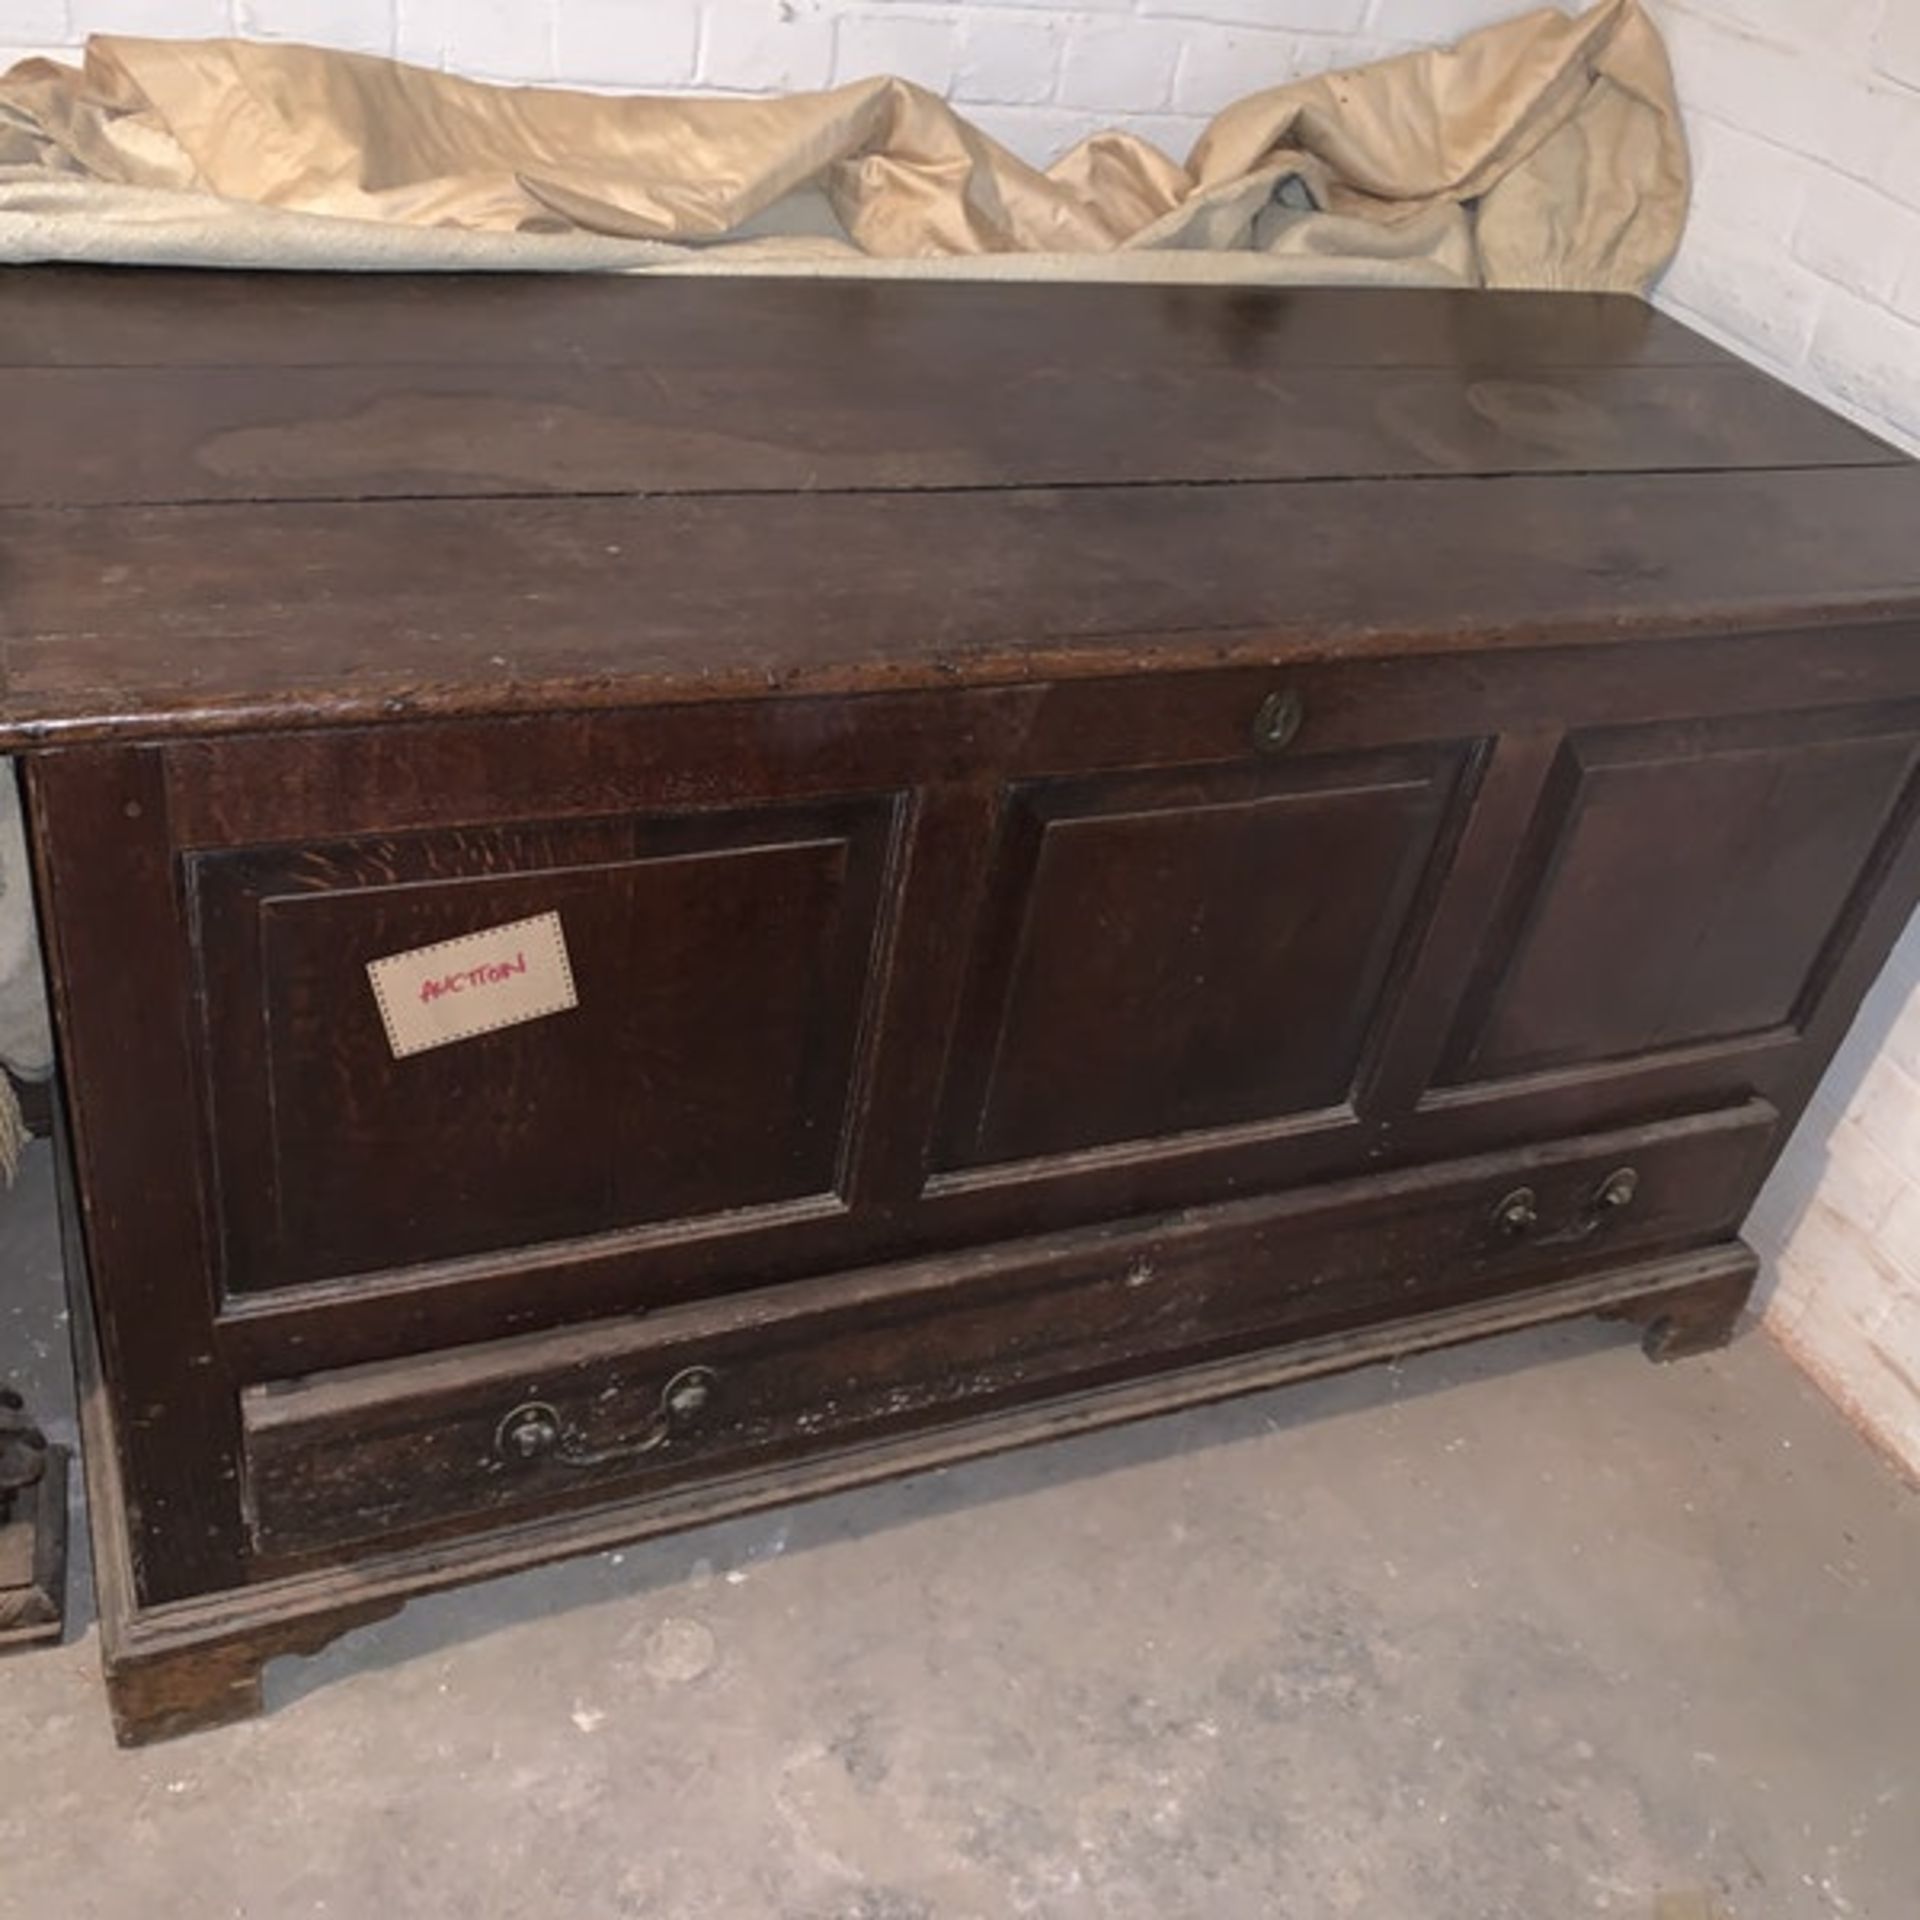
(1522, 1632)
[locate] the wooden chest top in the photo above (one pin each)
(234, 500)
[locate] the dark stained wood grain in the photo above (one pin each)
(197, 1665)
(171, 620)
(342, 781)
(165, 1673)
(682, 769)
(106, 436)
(107, 317)
(721, 965)
(1005, 471)
(1717, 859)
(120, 994)
(1169, 953)
(1698, 1317)
(988, 1022)
(379, 1451)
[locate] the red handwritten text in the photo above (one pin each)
(488, 975)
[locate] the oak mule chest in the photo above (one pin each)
(665, 895)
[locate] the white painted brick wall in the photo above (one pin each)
(1036, 75)
(1804, 253)
(35, 21)
(767, 46)
(361, 26)
(1009, 60)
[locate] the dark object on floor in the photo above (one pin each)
(36, 1104)
(1304, 827)
(33, 1530)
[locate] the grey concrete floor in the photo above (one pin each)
(1529, 1630)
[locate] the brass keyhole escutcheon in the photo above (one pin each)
(1278, 721)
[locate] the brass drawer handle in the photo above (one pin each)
(1608, 1200)
(534, 1432)
(1517, 1212)
(1278, 720)
(1615, 1192)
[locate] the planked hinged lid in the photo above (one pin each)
(233, 500)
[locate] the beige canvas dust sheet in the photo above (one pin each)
(1542, 152)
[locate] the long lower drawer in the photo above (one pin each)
(491, 1433)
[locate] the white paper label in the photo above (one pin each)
(482, 981)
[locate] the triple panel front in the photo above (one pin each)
(859, 979)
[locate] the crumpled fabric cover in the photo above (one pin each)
(1542, 152)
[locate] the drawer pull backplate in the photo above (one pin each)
(1517, 1214)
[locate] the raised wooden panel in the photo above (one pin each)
(1683, 885)
(1170, 951)
(721, 964)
